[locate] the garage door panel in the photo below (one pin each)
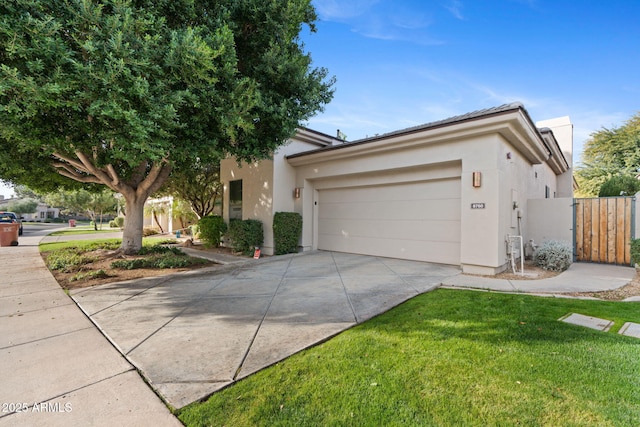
(439, 231)
(434, 209)
(443, 252)
(418, 220)
(440, 189)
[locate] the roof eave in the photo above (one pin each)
(511, 121)
(556, 161)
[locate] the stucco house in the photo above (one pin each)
(166, 217)
(451, 191)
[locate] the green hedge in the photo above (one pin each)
(211, 229)
(287, 229)
(245, 235)
(117, 222)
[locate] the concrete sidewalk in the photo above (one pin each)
(580, 277)
(57, 369)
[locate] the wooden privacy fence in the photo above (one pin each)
(604, 228)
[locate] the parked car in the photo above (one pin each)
(12, 218)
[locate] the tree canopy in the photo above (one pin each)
(610, 153)
(25, 206)
(120, 92)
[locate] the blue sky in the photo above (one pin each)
(400, 63)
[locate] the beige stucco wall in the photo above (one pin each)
(550, 219)
(257, 193)
(265, 192)
(518, 181)
(508, 178)
(562, 129)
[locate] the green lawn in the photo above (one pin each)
(450, 358)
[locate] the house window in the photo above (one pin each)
(235, 199)
(547, 191)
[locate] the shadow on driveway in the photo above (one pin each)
(195, 333)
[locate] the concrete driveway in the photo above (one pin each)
(192, 334)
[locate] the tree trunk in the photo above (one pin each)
(155, 217)
(92, 215)
(133, 224)
(145, 179)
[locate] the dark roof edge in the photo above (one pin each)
(474, 115)
(321, 135)
(546, 130)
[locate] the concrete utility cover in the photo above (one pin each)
(588, 321)
(630, 329)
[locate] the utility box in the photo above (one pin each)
(9, 234)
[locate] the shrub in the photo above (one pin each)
(245, 235)
(99, 274)
(553, 255)
(287, 229)
(211, 229)
(620, 185)
(68, 260)
(148, 231)
(112, 224)
(119, 220)
(130, 264)
(635, 251)
(158, 261)
(158, 249)
(177, 262)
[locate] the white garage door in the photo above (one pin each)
(417, 220)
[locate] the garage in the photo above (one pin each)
(449, 191)
(417, 220)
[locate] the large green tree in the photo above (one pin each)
(121, 92)
(610, 153)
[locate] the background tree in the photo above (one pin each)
(620, 185)
(198, 185)
(121, 92)
(95, 204)
(609, 153)
(183, 212)
(24, 192)
(24, 206)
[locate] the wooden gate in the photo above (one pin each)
(604, 228)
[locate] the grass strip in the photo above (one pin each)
(450, 358)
